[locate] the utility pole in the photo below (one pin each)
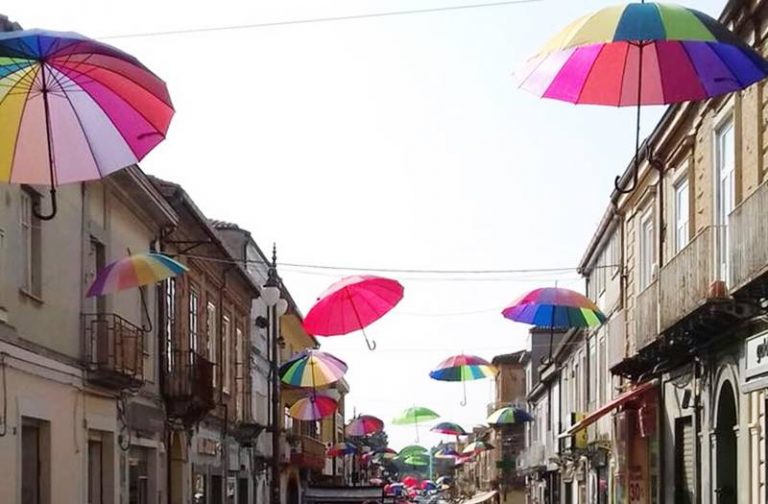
(271, 295)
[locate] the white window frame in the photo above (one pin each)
(226, 339)
(723, 208)
(682, 212)
(193, 320)
(31, 244)
(212, 334)
(239, 375)
(646, 256)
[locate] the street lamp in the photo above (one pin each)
(276, 306)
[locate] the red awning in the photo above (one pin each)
(610, 406)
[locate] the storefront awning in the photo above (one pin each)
(481, 497)
(609, 406)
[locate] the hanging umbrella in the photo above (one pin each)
(364, 425)
(73, 109)
(428, 485)
(642, 54)
(450, 428)
(462, 368)
(446, 453)
(414, 416)
(476, 447)
(383, 457)
(313, 407)
(352, 304)
(411, 450)
(312, 368)
(554, 307)
(509, 415)
(134, 271)
(417, 460)
(341, 449)
(410, 481)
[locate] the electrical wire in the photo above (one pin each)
(271, 24)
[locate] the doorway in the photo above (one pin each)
(725, 448)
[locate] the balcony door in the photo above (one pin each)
(724, 185)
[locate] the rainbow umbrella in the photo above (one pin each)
(642, 54)
(312, 368)
(462, 368)
(509, 415)
(363, 425)
(476, 447)
(450, 428)
(352, 304)
(313, 407)
(73, 109)
(341, 449)
(554, 307)
(134, 271)
(446, 453)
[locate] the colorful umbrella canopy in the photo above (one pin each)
(555, 307)
(410, 481)
(352, 304)
(341, 449)
(133, 271)
(509, 415)
(73, 109)
(428, 485)
(363, 425)
(476, 447)
(417, 459)
(312, 368)
(383, 457)
(313, 407)
(462, 368)
(642, 54)
(447, 453)
(411, 450)
(449, 428)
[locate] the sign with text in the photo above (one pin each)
(756, 361)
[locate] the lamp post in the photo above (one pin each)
(276, 306)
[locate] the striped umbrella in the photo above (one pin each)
(312, 368)
(642, 54)
(134, 271)
(462, 368)
(476, 447)
(509, 415)
(313, 407)
(450, 428)
(414, 416)
(364, 425)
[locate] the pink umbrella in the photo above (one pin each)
(352, 304)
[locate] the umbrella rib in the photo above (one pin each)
(18, 131)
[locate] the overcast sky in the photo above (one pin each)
(398, 142)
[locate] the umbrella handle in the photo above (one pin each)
(54, 209)
(371, 343)
(464, 399)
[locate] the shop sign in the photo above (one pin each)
(756, 361)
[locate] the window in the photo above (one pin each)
(194, 317)
(31, 248)
(682, 212)
(725, 166)
(212, 334)
(592, 390)
(226, 330)
(239, 378)
(647, 249)
(602, 373)
(169, 307)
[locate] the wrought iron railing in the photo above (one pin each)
(114, 350)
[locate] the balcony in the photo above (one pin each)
(188, 386)
(308, 453)
(748, 244)
(647, 316)
(616, 338)
(114, 351)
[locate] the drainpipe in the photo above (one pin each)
(220, 372)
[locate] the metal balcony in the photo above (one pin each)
(188, 386)
(647, 316)
(114, 351)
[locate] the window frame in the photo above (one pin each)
(193, 319)
(646, 257)
(677, 186)
(226, 339)
(31, 243)
(212, 334)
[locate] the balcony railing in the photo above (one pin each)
(748, 239)
(188, 386)
(647, 315)
(114, 350)
(686, 280)
(309, 453)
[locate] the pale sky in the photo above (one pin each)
(395, 142)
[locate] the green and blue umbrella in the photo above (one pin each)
(461, 368)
